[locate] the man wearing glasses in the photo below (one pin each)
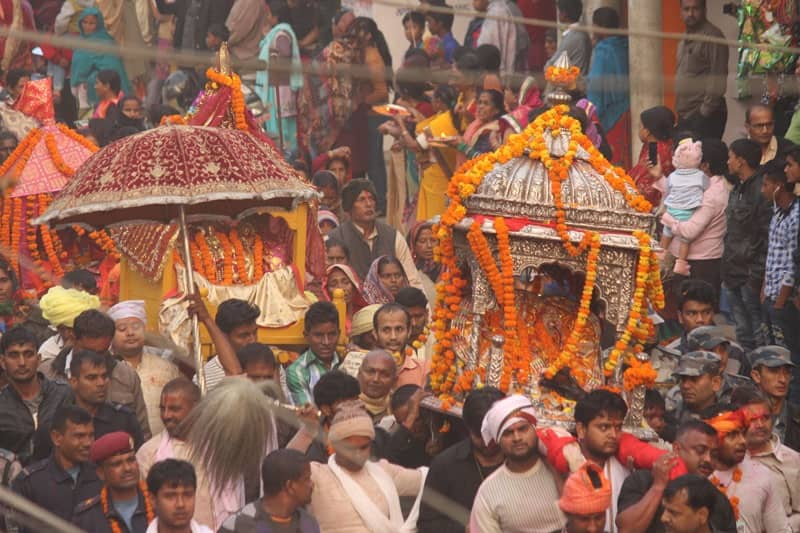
(759, 121)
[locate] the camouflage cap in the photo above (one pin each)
(771, 356)
(698, 363)
(705, 338)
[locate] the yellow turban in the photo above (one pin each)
(362, 319)
(60, 306)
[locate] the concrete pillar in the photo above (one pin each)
(646, 64)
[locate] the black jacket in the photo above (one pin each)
(748, 215)
(209, 12)
(19, 433)
(48, 485)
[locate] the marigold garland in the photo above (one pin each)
(227, 258)
(258, 258)
(561, 75)
(238, 248)
(207, 260)
(5, 218)
(16, 230)
(568, 358)
(55, 155)
(466, 181)
(237, 97)
(77, 137)
(412, 348)
(113, 523)
(638, 374)
(736, 478)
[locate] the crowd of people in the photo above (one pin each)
(95, 413)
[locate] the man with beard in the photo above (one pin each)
(392, 324)
(457, 472)
(124, 503)
(178, 398)
(766, 448)
(504, 501)
(749, 485)
(66, 478)
(598, 424)
(640, 500)
(29, 401)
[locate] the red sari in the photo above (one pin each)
(641, 173)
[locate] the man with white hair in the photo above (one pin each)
(130, 321)
(352, 494)
(504, 503)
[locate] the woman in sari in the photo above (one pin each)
(87, 64)
(484, 133)
(345, 278)
(656, 125)
(421, 242)
(520, 106)
(384, 280)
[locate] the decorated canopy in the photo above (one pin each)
(535, 234)
(42, 164)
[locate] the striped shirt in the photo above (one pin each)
(510, 502)
(782, 248)
(303, 374)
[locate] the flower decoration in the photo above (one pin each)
(565, 77)
(447, 376)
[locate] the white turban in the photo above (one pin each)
(129, 309)
(505, 413)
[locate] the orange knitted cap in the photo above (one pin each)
(586, 491)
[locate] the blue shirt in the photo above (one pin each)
(126, 509)
(450, 45)
(783, 230)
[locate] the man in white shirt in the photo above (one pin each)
(522, 495)
(509, 37)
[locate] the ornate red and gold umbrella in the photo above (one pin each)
(171, 172)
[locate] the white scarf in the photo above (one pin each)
(373, 518)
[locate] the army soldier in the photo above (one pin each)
(699, 382)
(124, 503)
(66, 478)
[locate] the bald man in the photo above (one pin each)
(377, 377)
(759, 121)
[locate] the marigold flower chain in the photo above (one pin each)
(562, 76)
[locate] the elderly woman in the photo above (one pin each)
(344, 277)
(154, 371)
(384, 280)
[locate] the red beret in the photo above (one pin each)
(109, 445)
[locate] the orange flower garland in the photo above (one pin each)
(562, 76)
(465, 182)
(113, 523)
(258, 258)
(209, 269)
(58, 161)
(21, 153)
(104, 242)
(16, 229)
(227, 258)
(638, 374)
(77, 137)
(5, 218)
(569, 353)
(411, 349)
(237, 97)
(238, 248)
(516, 363)
(736, 478)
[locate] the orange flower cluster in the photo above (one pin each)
(237, 97)
(233, 260)
(16, 230)
(113, 523)
(568, 356)
(638, 374)
(21, 153)
(227, 258)
(737, 477)
(418, 343)
(173, 120)
(104, 242)
(238, 248)
(448, 301)
(648, 288)
(206, 265)
(562, 76)
(515, 362)
(55, 155)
